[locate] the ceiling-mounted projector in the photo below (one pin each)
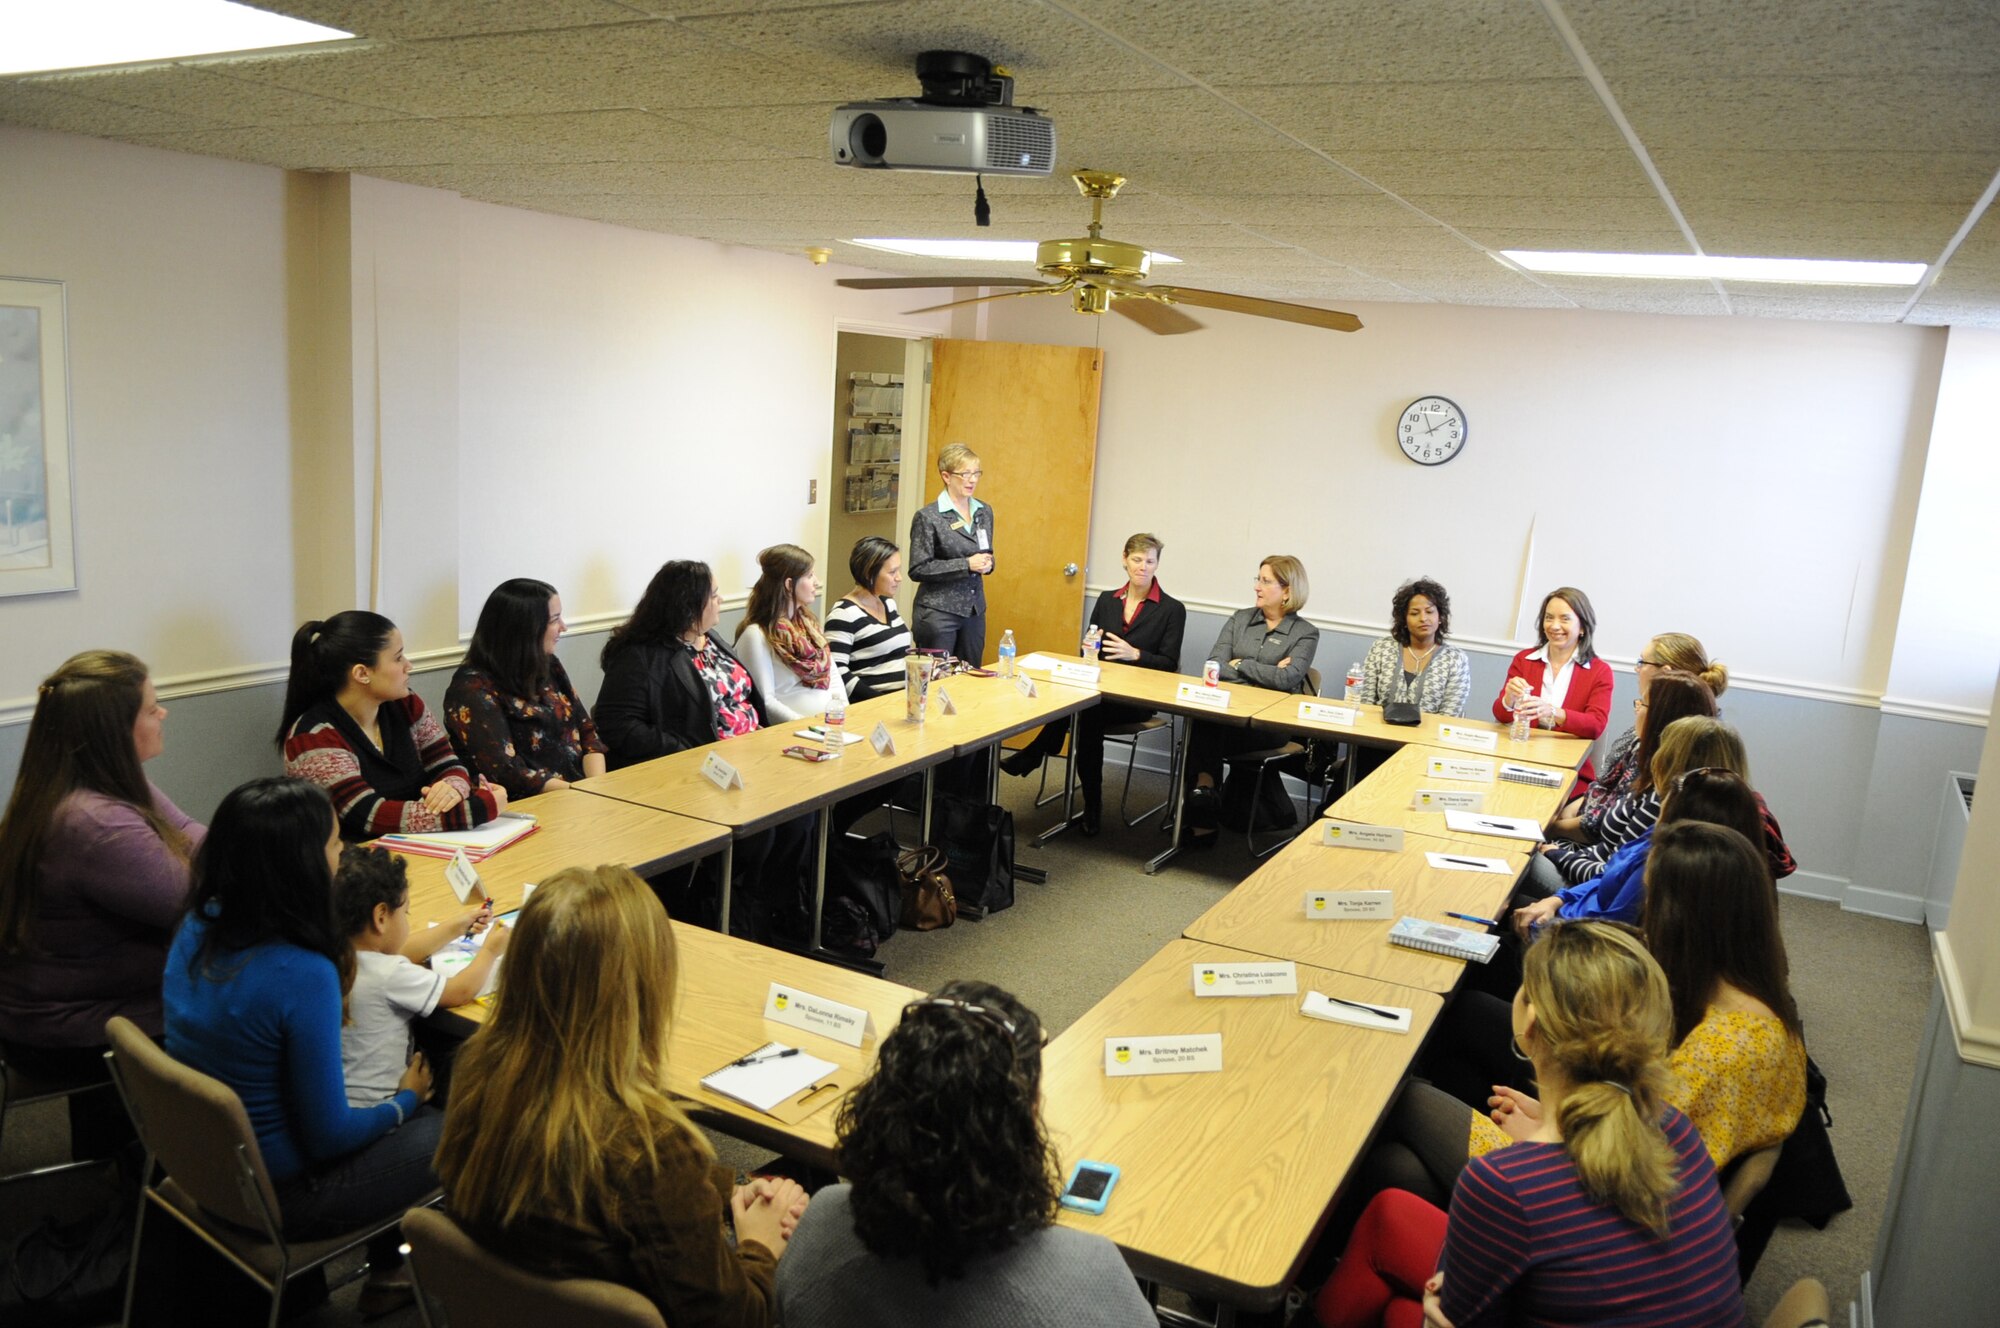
(966, 123)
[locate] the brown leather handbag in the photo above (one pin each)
(928, 902)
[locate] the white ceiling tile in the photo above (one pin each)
(1554, 172)
(1938, 39)
(428, 18)
(40, 105)
(1438, 115)
(1856, 113)
(1695, 175)
(208, 93)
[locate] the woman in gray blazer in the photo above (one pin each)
(951, 552)
(1266, 645)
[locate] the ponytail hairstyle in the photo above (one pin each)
(1710, 917)
(773, 598)
(322, 655)
(261, 876)
(1697, 743)
(944, 1141)
(669, 609)
(1602, 1016)
(79, 741)
(507, 641)
(1678, 650)
(1673, 696)
(1718, 797)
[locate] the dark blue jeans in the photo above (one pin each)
(384, 1178)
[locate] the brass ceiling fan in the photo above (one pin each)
(1099, 274)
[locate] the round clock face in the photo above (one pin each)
(1431, 431)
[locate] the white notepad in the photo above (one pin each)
(1486, 823)
(766, 1083)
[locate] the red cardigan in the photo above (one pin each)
(1586, 709)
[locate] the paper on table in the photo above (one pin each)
(818, 735)
(496, 833)
(1036, 660)
(1486, 823)
(766, 1083)
(1396, 1019)
(1458, 862)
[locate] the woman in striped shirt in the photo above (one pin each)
(1606, 1212)
(864, 631)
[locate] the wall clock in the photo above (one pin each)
(1431, 430)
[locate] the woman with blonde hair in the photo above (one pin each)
(1607, 1207)
(780, 639)
(579, 1164)
(94, 872)
(951, 554)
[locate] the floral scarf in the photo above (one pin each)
(801, 647)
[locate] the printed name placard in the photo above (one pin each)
(1187, 1053)
(720, 773)
(1452, 767)
(1348, 905)
(463, 877)
(1276, 978)
(1201, 694)
(945, 703)
(1446, 800)
(1465, 862)
(1477, 740)
(882, 740)
(1349, 834)
(1320, 712)
(1065, 670)
(816, 1014)
(1025, 685)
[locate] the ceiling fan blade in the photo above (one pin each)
(1154, 316)
(1332, 319)
(981, 299)
(920, 283)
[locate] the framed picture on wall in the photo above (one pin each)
(37, 537)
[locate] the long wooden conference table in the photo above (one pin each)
(1226, 1175)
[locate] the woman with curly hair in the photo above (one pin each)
(1413, 663)
(949, 1213)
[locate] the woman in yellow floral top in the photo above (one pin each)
(510, 709)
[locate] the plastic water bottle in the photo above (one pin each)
(1354, 680)
(1007, 651)
(1521, 726)
(836, 719)
(1093, 640)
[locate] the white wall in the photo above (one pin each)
(1753, 482)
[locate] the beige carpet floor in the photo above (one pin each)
(1862, 984)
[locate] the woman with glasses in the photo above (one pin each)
(951, 554)
(1668, 650)
(510, 709)
(948, 1215)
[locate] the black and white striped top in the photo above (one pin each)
(869, 654)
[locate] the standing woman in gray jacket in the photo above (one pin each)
(951, 552)
(1265, 645)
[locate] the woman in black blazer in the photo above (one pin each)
(1142, 625)
(671, 684)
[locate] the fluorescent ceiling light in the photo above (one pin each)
(971, 251)
(38, 36)
(1703, 267)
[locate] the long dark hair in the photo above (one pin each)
(1673, 695)
(323, 652)
(1586, 621)
(944, 1142)
(774, 597)
(80, 739)
(261, 876)
(507, 641)
(672, 605)
(1710, 917)
(1718, 797)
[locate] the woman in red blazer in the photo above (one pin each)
(1562, 651)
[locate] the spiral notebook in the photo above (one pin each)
(1439, 938)
(1532, 774)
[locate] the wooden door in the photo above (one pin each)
(1031, 414)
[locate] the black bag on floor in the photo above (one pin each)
(1275, 809)
(1806, 1184)
(864, 870)
(978, 842)
(64, 1273)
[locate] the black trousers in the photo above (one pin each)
(962, 635)
(1090, 727)
(98, 1125)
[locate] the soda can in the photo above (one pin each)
(1211, 672)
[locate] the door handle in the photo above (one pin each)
(1069, 569)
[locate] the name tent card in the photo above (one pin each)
(1453, 767)
(720, 773)
(881, 740)
(460, 874)
(1350, 834)
(1025, 686)
(1463, 862)
(1201, 694)
(816, 1014)
(945, 703)
(1187, 1053)
(1445, 800)
(1348, 905)
(1320, 712)
(1477, 740)
(1065, 670)
(1273, 978)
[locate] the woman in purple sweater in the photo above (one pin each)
(93, 877)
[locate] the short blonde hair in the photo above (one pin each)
(953, 456)
(1291, 574)
(1144, 542)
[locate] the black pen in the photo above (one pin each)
(754, 1059)
(1467, 862)
(1471, 917)
(1497, 825)
(1357, 1005)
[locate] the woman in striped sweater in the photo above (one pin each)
(353, 727)
(865, 633)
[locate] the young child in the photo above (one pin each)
(372, 892)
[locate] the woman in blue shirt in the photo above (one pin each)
(253, 991)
